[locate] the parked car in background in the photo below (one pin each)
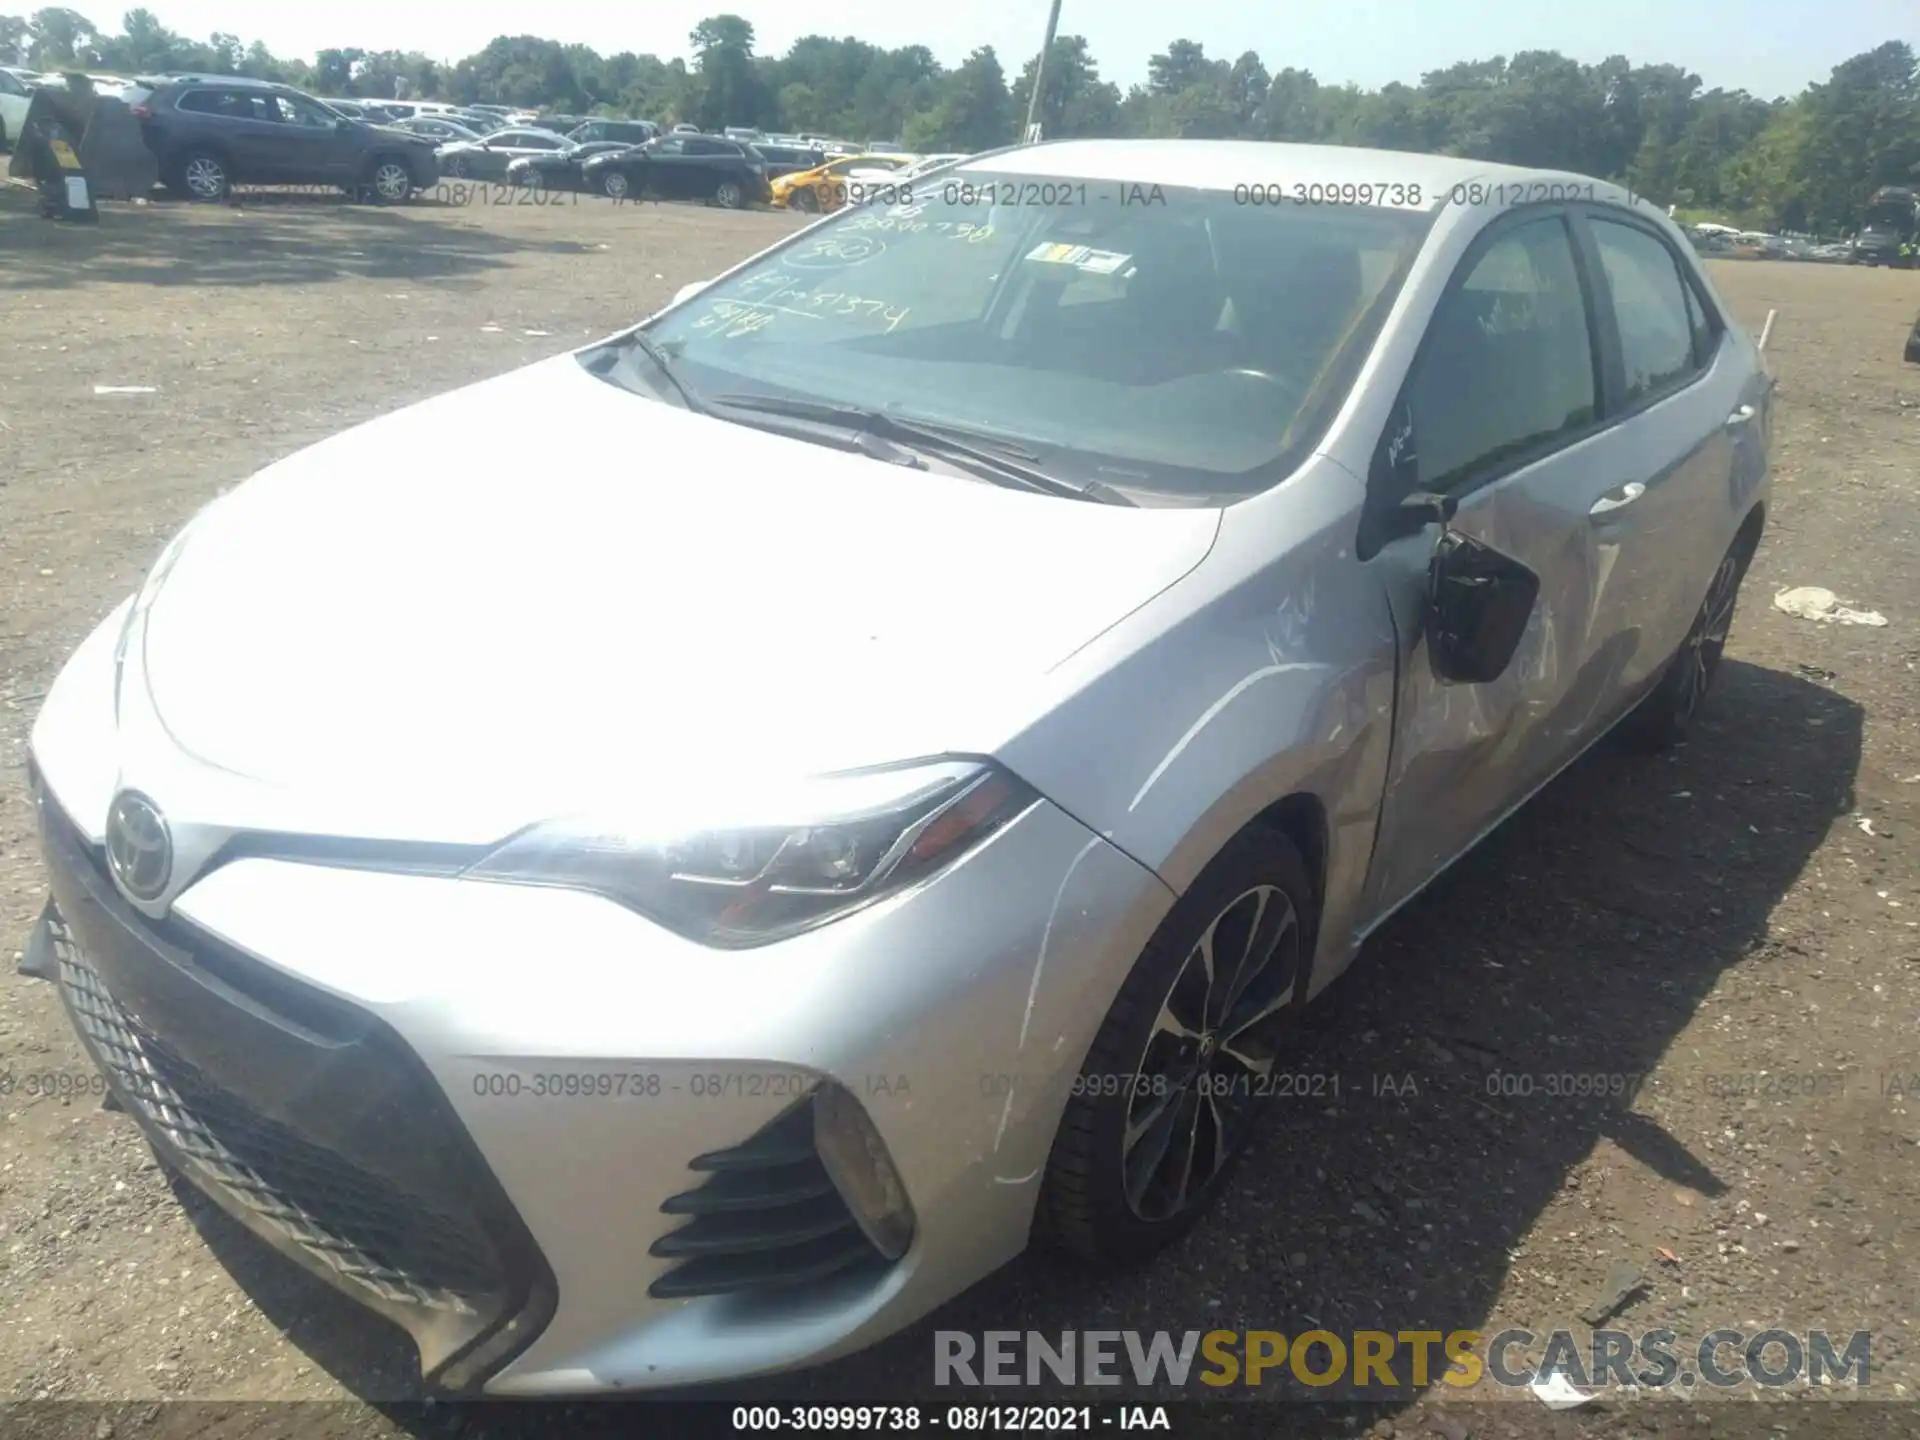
(487, 158)
(828, 187)
(685, 129)
(558, 124)
(682, 167)
(439, 129)
(15, 98)
(561, 170)
(784, 159)
(212, 132)
(628, 132)
(1428, 500)
(926, 164)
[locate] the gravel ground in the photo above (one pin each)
(1736, 928)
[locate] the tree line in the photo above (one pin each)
(1806, 162)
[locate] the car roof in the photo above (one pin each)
(1225, 164)
(235, 82)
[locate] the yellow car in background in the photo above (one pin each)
(828, 187)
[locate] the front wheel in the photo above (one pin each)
(1183, 1065)
(729, 195)
(804, 199)
(1663, 719)
(614, 185)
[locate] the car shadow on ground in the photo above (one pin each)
(1396, 1181)
(260, 238)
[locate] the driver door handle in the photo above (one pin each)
(1617, 499)
(1740, 417)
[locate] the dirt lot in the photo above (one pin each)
(1736, 924)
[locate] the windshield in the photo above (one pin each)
(1160, 340)
(1889, 216)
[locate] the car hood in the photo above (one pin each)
(528, 591)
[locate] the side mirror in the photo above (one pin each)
(1478, 605)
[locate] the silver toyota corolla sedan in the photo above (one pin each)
(681, 890)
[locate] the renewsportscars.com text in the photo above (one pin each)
(1385, 1360)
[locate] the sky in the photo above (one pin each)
(1768, 47)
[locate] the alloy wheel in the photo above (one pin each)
(391, 181)
(728, 194)
(615, 184)
(1208, 1057)
(1700, 652)
(205, 178)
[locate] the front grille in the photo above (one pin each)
(768, 1218)
(307, 1118)
(365, 1230)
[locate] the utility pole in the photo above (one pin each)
(1032, 132)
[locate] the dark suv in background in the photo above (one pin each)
(212, 132)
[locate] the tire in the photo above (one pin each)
(730, 195)
(203, 177)
(389, 182)
(1664, 718)
(1913, 349)
(1108, 1202)
(458, 168)
(804, 199)
(614, 185)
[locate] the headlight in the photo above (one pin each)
(832, 847)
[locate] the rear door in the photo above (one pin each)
(244, 124)
(1502, 412)
(1674, 383)
(704, 163)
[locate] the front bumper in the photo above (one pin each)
(505, 1117)
(308, 1120)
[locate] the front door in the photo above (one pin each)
(1502, 414)
(315, 145)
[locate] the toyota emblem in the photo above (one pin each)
(139, 849)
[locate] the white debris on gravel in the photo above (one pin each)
(1810, 602)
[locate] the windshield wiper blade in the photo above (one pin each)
(663, 362)
(931, 437)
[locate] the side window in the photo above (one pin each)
(299, 112)
(10, 86)
(1657, 334)
(668, 146)
(202, 102)
(1706, 335)
(1507, 364)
